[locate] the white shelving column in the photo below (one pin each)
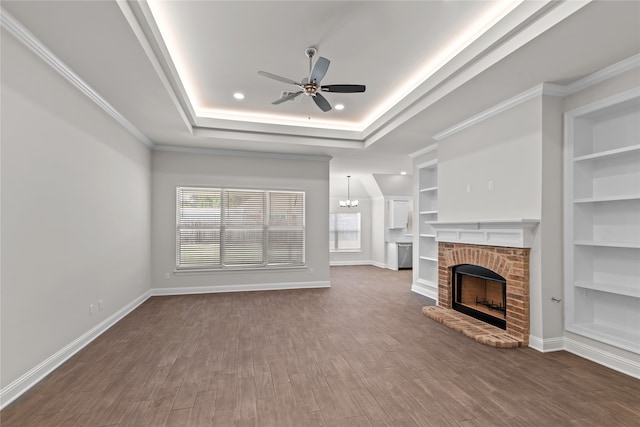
(427, 250)
(602, 221)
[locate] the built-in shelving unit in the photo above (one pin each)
(427, 247)
(602, 221)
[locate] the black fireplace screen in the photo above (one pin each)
(480, 293)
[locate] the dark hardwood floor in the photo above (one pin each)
(358, 354)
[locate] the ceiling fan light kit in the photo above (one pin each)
(310, 86)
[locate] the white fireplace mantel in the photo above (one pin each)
(513, 233)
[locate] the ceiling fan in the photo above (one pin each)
(310, 86)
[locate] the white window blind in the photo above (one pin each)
(219, 228)
(286, 228)
(344, 231)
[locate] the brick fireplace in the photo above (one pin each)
(500, 246)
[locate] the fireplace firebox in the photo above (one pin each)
(480, 293)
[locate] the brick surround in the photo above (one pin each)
(510, 263)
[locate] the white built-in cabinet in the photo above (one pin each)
(427, 211)
(602, 221)
(398, 214)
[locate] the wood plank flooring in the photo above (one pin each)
(358, 354)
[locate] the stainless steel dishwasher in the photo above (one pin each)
(405, 255)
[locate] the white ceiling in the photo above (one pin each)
(170, 68)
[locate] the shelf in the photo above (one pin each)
(626, 290)
(608, 199)
(432, 236)
(426, 258)
(602, 225)
(617, 337)
(427, 190)
(428, 212)
(629, 245)
(609, 153)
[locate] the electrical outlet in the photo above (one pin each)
(91, 307)
(468, 188)
(167, 276)
(490, 185)
(100, 305)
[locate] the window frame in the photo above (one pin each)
(336, 232)
(268, 228)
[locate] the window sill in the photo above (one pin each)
(238, 269)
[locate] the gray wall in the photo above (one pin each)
(173, 169)
(75, 213)
(520, 151)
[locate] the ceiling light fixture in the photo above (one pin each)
(348, 203)
(403, 173)
(339, 107)
(238, 95)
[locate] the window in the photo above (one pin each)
(218, 228)
(344, 231)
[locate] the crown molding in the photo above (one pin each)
(425, 150)
(534, 92)
(604, 74)
(239, 153)
(186, 114)
(36, 46)
(543, 89)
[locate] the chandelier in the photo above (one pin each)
(348, 203)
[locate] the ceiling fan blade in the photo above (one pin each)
(286, 98)
(319, 70)
(343, 88)
(321, 102)
(279, 78)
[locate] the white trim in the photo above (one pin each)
(541, 89)
(21, 385)
(602, 357)
(238, 288)
(36, 46)
(534, 92)
(604, 74)
(425, 150)
(512, 233)
(618, 98)
(546, 345)
(240, 153)
(129, 15)
(430, 163)
(426, 289)
(354, 262)
(379, 264)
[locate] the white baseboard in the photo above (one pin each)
(239, 288)
(546, 345)
(356, 262)
(603, 357)
(618, 363)
(359, 262)
(21, 385)
(426, 290)
(379, 264)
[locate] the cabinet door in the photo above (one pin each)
(398, 213)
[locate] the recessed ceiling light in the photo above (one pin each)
(403, 173)
(238, 95)
(339, 107)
